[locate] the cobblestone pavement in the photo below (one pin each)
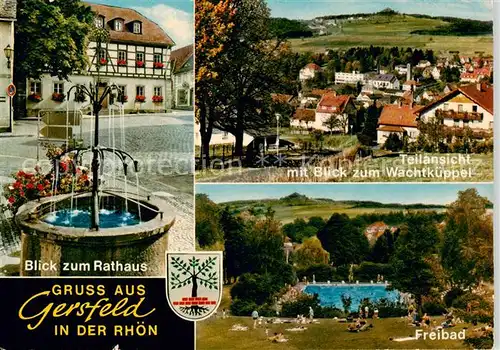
(163, 145)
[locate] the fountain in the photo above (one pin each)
(101, 232)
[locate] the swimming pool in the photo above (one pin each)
(331, 295)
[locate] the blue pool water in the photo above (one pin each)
(81, 218)
(330, 295)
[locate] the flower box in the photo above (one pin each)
(103, 62)
(139, 64)
(158, 65)
(57, 97)
(157, 99)
(123, 98)
(121, 62)
(34, 98)
(140, 98)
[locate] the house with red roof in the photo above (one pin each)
(309, 71)
(331, 104)
(467, 106)
(398, 119)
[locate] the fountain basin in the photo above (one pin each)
(133, 250)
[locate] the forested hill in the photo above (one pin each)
(297, 199)
(444, 25)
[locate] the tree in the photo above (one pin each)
(450, 75)
(380, 251)
(251, 73)
(193, 273)
(467, 249)
(310, 253)
(208, 229)
(344, 241)
(213, 24)
(393, 143)
(51, 38)
(332, 123)
(412, 272)
(371, 121)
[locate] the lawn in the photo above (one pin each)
(214, 334)
(394, 31)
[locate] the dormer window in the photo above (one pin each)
(137, 28)
(118, 26)
(99, 21)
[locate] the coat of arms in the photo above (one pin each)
(194, 283)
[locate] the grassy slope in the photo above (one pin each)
(395, 31)
(329, 334)
(286, 213)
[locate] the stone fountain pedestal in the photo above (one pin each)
(137, 250)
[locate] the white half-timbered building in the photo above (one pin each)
(136, 58)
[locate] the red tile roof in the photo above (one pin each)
(312, 66)
(483, 96)
(330, 102)
(181, 56)
(281, 98)
(391, 128)
(399, 116)
(152, 33)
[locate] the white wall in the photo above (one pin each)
(6, 38)
(411, 132)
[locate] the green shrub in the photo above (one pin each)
(328, 312)
(241, 307)
(434, 308)
(451, 295)
(321, 272)
(300, 306)
(254, 287)
(368, 271)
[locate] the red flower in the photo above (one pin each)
(139, 63)
(17, 184)
(39, 187)
(11, 199)
(30, 186)
(103, 61)
(121, 62)
(158, 65)
(63, 166)
(21, 193)
(140, 98)
(20, 173)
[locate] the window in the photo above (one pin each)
(460, 108)
(58, 88)
(122, 55)
(157, 91)
(139, 90)
(139, 56)
(157, 58)
(456, 122)
(137, 27)
(474, 108)
(445, 107)
(491, 125)
(225, 136)
(35, 88)
(102, 54)
(118, 25)
(466, 123)
(99, 22)
(123, 89)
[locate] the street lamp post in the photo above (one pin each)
(8, 54)
(278, 116)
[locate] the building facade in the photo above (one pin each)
(349, 78)
(7, 20)
(136, 59)
(183, 77)
(468, 106)
(384, 81)
(309, 72)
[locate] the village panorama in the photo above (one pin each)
(346, 94)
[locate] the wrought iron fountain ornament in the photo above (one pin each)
(96, 101)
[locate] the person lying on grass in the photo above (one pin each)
(278, 338)
(359, 326)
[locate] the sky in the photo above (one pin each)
(308, 9)
(438, 193)
(174, 16)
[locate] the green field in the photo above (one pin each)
(394, 31)
(214, 334)
(288, 214)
